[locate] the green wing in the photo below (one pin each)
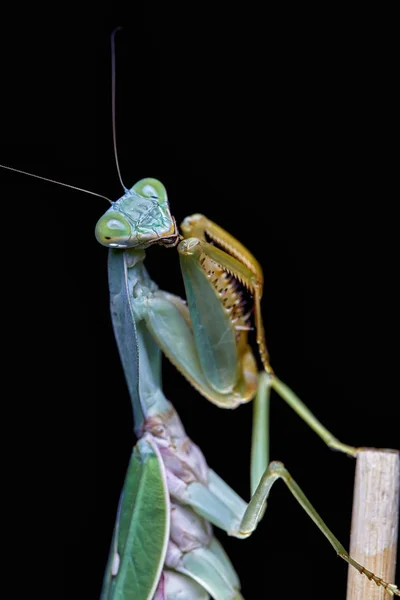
(141, 531)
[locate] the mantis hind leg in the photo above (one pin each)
(241, 519)
(276, 470)
(264, 475)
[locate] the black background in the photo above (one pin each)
(281, 128)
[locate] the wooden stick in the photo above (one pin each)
(375, 519)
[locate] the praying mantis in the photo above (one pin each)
(307, 564)
(162, 545)
(159, 250)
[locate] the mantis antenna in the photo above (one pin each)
(114, 134)
(114, 129)
(73, 187)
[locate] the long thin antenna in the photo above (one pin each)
(114, 129)
(73, 187)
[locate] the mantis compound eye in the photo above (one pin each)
(113, 230)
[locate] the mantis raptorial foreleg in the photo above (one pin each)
(203, 258)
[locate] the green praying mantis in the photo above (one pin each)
(163, 546)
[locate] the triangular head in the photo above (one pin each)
(140, 218)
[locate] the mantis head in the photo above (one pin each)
(140, 218)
